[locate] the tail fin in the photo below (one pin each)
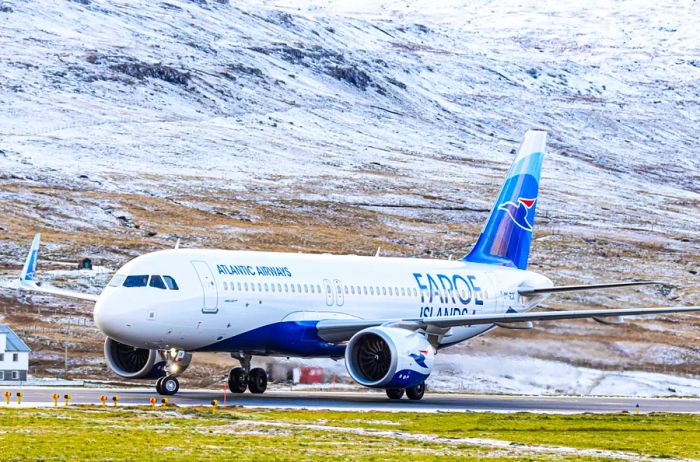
(506, 237)
(29, 269)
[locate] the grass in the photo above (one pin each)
(91, 433)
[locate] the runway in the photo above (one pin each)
(357, 401)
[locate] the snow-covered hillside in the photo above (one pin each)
(344, 126)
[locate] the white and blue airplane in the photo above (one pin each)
(387, 317)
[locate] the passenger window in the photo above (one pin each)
(364, 290)
(371, 290)
(299, 288)
(272, 286)
(266, 287)
(279, 288)
(157, 282)
(383, 290)
(390, 292)
(352, 290)
(312, 288)
(245, 286)
(292, 286)
(239, 286)
(259, 286)
(346, 289)
(252, 287)
(286, 288)
(306, 288)
(117, 280)
(225, 285)
(318, 288)
(136, 281)
(403, 291)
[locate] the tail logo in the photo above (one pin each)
(519, 212)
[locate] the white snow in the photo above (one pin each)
(369, 103)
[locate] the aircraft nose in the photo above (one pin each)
(112, 316)
(103, 319)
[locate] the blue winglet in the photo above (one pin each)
(29, 269)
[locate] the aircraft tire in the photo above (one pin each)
(257, 380)
(169, 386)
(159, 384)
(395, 393)
(237, 381)
(416, 393)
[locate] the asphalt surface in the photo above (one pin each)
(364, 401)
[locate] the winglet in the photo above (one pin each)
(29, 269)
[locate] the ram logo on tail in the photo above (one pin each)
(519, 212)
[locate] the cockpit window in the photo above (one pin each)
(117, 280)
(156, 282)
(172, 285)
(136, 281)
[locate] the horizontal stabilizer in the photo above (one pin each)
(607, 285)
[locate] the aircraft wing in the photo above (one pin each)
(607, 285)
(338, 330)
(27, 282)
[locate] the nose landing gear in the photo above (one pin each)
(244, 377)
(176, 363)
(168, 385)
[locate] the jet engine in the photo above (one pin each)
(141, 363)
(389, 357)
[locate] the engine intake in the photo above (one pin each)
(389, 357)
(134, 363)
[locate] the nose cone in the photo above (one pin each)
(116, 316)
(103, 319)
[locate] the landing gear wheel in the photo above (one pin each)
(237, 382)
(417, 392)
(394, 393)
(159, 385)
(169, 386)
(257, 380)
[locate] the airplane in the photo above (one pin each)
(387, 317)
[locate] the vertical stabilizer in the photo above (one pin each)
(505, 240)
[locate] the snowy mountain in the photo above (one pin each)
(347, 126)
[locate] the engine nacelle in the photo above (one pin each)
(389, 357)
(140, 363)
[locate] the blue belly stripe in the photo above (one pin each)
(292, 338)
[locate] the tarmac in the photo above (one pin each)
(353, 401)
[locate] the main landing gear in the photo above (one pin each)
(413, 393)
(244, 377)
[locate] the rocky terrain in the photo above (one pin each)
(347, 126)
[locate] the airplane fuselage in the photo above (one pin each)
(268, 303)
